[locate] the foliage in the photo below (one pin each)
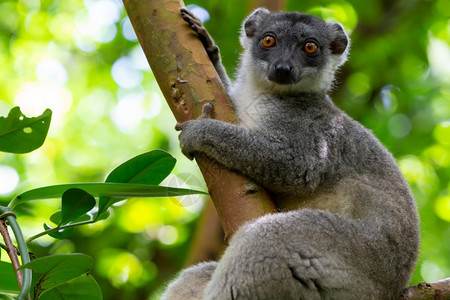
(82, 60)
(16, 135)
(63, 275)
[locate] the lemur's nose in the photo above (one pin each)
(283, 69)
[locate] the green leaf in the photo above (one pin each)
(84, 287)
(56, 218)
(60, 234)
(57, 269)
(8, 282)
(63, 233)
(75, 203)
(148, 168)
(111, 190)
(19, 134)
(103, 216)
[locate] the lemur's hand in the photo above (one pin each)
(203, 35)
(192, 131)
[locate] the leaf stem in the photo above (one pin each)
(23, 278)
(30, 239)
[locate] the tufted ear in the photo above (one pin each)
(340, 39)
(252, 22)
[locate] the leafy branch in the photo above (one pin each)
(137, 177)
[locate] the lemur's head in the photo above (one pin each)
(292, 52)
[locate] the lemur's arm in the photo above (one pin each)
(241, 149)
(211, 48)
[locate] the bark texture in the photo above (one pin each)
(439, 290)
(188, 79)
(12, 252)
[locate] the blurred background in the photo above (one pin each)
(81, 59)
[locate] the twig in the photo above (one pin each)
(23, 277)
(55, 229)
(12, 252)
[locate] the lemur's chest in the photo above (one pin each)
(252, 110)
(249, 110)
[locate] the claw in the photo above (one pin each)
(207, 109)
(190, 156)
(197, 26)
(189, 17)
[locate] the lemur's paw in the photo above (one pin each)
(189, 17)
(205, 38)
(207, 110)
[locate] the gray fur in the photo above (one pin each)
(196, 278)
(348, 227)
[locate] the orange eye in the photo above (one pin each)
(310, 47)
(268, 41)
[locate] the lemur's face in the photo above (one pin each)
(290, 48)
(293, 49)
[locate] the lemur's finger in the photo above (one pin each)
(180, 126)
(213, 53)
(207, 109)
(189, 17)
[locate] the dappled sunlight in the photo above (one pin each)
(128, 31)
(125, 74)
(168, 235)
(439, 58)
(419, 173)
(96, 24)
(442, 208)
(431, 271)
(136, 214)
(342, 12)
(122, 267)
(9, 179)
(442, 133)
(52, 70)
(35, 97)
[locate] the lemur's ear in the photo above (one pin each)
(340, 39)
(253, 20)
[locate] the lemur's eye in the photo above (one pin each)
(268, 41)
(310, 47)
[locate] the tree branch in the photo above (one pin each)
(12, 252)
(428, 290)
(188, 79)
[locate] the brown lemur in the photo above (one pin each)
(349, 226)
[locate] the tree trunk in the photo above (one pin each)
(188, 79)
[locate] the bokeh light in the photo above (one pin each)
(9, 179)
